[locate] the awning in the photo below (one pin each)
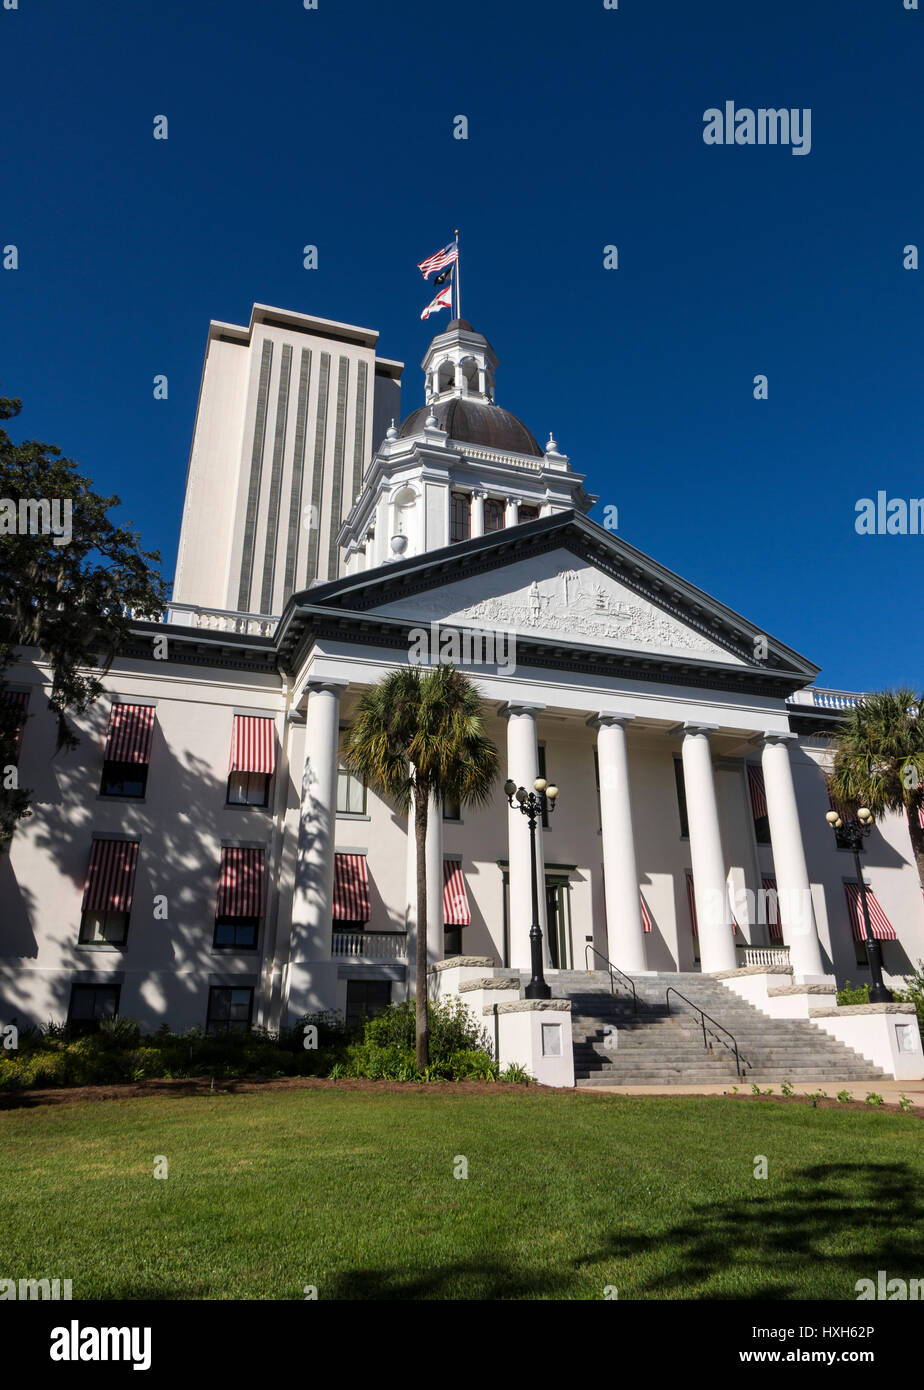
(240, 882)
(20, 701)
(758, 793)
(253, 744)
(773, 908)
(879, 923)
(111, 876)
(456, 911)
(646, 920)
(131, 733)
(351, 888)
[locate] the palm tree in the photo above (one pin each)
(879, 760)
(417, 735)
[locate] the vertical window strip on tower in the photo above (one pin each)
(298, 473)
(272, 515)
(317, 472)
(256, 470)
(359, 431)
(336, 507)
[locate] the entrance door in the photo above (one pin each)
(558, 925)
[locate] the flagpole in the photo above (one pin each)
(458, 278)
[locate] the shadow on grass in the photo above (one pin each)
(789, 1232)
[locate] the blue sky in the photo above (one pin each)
(334, 127)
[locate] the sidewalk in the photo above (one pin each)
(890, 1091)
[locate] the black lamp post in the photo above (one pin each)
(530, 803)
(850, 835)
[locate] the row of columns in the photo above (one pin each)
(313, 887)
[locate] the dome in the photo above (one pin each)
(475, 421)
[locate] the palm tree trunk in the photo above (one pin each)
(421, 807)
(916, 831)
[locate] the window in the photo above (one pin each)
(758, 804)
(230, 1009)
(366, 999)
(128, 751)
(452, 941)
(248, 789)
(494, 514)
(236, 933)
(452, 810)
(90, 1003)
(460, 527)
(542, 773)
(528, 513)
(351, 793)
(103, 927)
(681, 799)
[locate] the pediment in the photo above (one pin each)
(556, 595)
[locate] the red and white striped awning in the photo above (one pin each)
(253, 744)
(351, 888)
(879, 923)
(456, 911)
(131, 733)
(691, 898)
(240, 882)
(773, 908)
(111, 876)
(20, 700)
(646, 920)
(758, 793)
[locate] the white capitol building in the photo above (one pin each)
(202, 858)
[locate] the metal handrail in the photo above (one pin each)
(702, 1017)
(611, 967)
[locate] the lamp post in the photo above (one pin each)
(530, 804)
(850, 835)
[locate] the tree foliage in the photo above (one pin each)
(73, 600)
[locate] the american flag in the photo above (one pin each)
(448, 254)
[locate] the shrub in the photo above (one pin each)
(452, 1029)
(853, 994)
(119, 1031)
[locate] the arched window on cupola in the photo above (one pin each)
(469, 371)
(446, 376)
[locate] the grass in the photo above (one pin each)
(353, 1192)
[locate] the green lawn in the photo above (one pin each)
(353, 1192)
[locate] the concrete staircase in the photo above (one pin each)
(657, 1048)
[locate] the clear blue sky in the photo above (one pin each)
(334, 127)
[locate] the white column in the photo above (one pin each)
(713, 917)
(523, 768)
(794, 892)
(477, 514)
(512, 516)
(434, 859)
(624, 933)
(312, 895)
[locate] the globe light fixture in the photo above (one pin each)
(532, 804)
(850, 834)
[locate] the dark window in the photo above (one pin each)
(762, 829)
(681, 798)
(494, 514)
(230, 1010)
(452, 941)
(90, 1003)
(99, 928)
(761, 823)
(529, 513)
(366, 999)
(542, 773)
(237, 933)
(460, 517)
(452, 810)
(248, 789)
(124, 779)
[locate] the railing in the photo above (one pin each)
(702, 1018)
(221, 619)
(826, 699)
(373, 945)
(612, 968)
(764, 955)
